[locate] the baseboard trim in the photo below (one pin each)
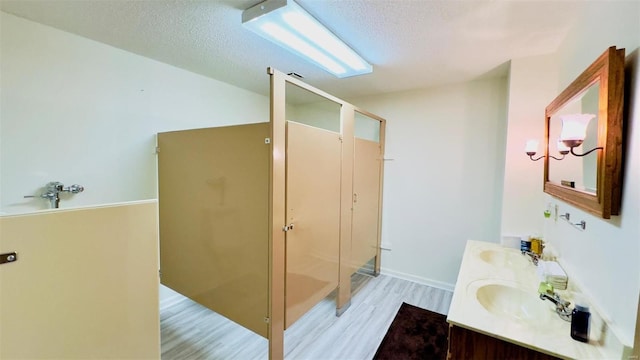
(418, 279)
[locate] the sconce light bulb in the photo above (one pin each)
(563, 149)
(574, 128)
(532, 147)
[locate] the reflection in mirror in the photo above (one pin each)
(590, 176)
(580, 173)
(590, 163)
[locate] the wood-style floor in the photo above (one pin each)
(191, 331)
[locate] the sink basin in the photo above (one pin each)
(503, 258)
(514, 303)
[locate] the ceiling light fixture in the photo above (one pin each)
(287, 24)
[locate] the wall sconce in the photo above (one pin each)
(288, 25)
(574, 131)
(532, 148)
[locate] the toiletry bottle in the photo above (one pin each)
(580, 318)
(525, 244)
(536, 244)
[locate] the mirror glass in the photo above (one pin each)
(579, 173)
(592, 182)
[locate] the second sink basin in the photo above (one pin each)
(503, 258)
(515, 303)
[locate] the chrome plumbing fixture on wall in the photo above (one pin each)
(582, 225)
(52, 192)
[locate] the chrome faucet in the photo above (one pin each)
(53, 190)
(51, 193)
(534, 257)
(562, 306)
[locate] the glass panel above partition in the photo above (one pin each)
(305, 107)
(366, 127)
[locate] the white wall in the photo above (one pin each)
(78, 111)
(444, 184)
(532, 86)
(605, 258)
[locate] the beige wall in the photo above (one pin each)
(85, 285)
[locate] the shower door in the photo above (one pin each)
(366, 202)
(313, 215)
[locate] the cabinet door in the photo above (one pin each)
(313, 208)
(468, 344)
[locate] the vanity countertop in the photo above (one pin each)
(491, 264)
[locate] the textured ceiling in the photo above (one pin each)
(411, 43)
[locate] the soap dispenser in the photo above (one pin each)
(580, 318)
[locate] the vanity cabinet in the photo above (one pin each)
(468, 344)
(496, 311)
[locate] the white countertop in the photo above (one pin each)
(548, 335)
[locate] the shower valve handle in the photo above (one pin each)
(74, 189)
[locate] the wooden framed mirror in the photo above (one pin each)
(591, 182)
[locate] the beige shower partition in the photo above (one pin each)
(84, 286)
(229, 195)
(214, 188)
(313, 215)
(366, 202)
(279, 216)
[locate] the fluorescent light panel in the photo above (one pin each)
(287, 24)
